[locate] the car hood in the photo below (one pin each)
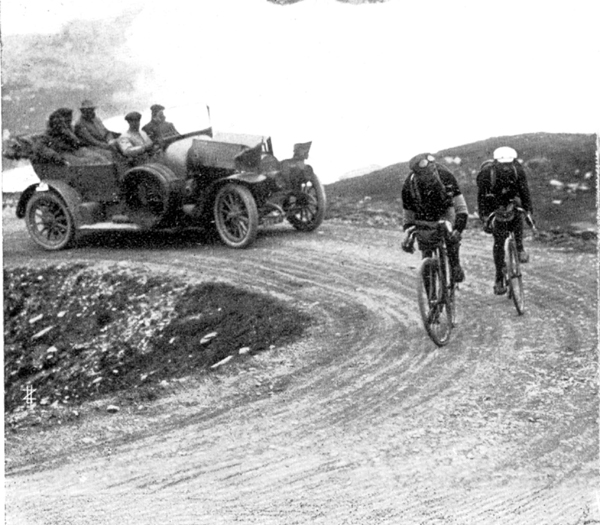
(239, 138)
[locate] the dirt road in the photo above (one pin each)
(365, 421)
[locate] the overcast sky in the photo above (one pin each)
(370, 84)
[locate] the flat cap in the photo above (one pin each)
(155, 108)
(134, 115)
(87, 104)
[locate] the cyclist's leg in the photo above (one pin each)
(517, 227)
(453, 250)
(500, 235)
(426, 279)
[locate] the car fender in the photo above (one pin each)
(172, 188)
(246, 177)
(259, 184)
(168, 178)
(71, 197)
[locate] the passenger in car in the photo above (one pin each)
(158, 129)
(91, 131)
(135, 143)
(60, 144)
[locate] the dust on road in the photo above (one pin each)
(364, 420)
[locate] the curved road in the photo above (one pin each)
(365, 420)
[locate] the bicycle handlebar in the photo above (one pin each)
(528, 217)
(443, 225)
(431, 225)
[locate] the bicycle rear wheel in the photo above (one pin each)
(435, 311)
(514, 276)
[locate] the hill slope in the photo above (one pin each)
(560, 166)
(41, 72)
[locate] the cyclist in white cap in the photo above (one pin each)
(500, 181)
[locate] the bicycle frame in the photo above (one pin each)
(512, 273)
(512, 266)
(436, 286)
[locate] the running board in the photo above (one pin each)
(111, 226)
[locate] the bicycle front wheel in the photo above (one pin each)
(435, 311)
(514, 276)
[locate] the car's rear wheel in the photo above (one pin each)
(305, 208)
(236, 216)
(150, 199)
(49, 221)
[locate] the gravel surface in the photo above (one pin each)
(74, 333)
(362, 420)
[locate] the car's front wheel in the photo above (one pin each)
(49, 221)
(236, 216)
(305, 208)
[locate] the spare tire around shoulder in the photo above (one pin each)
(153, 195)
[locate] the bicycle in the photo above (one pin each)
(512, 276)
(435, 285)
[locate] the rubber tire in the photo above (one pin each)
(236, 216)
(308, 214)
(150, 201)
(49, 221)
(514, 276)
(439, 332)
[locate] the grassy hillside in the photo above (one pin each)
(87, 59)
(557, 157)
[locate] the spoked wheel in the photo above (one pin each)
(514, 277)
(305, 208)
(435, 311)
(236, 216)
(146, 203)
(49, 221)
(149, 198)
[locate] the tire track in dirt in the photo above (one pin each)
(375, 425)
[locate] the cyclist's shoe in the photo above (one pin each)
(523, 257)
(458, 274)
(500, 288)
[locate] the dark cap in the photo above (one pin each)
(61, 113)
(134, 115)
(64, 112)
(421, 162)
(156, 108)
(87, 104)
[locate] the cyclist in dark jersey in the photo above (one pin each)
(431, 193)
(501, 181)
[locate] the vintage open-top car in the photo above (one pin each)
(198, 178)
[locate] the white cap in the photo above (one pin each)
(505, 154)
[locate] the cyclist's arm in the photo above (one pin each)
(524, 190)
(408, 205)
(460, 204)
(462, 212)
(409, 219)
(483, 195)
